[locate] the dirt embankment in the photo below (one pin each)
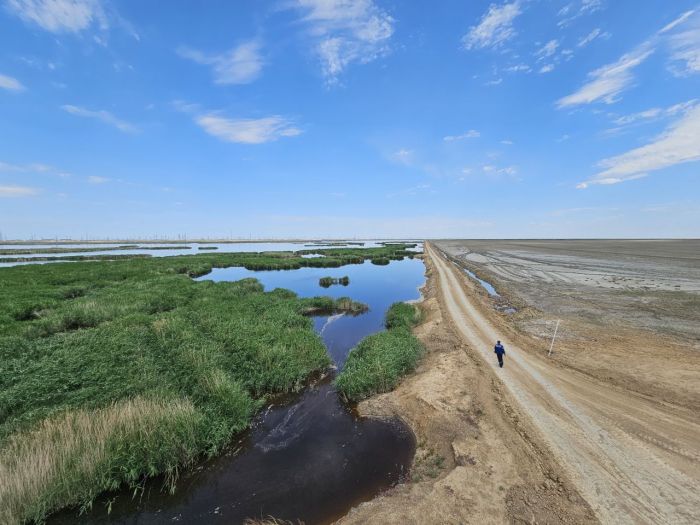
(479, 459)
(629, 310)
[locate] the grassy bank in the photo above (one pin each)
(203, 263)
(379, 362)
(116, 370)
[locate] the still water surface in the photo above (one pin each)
(155, 250)
(310, 458)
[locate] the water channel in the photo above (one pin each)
(310, 457)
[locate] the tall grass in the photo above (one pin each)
(71, 457)
(137, 362)
(327, 282)
(379, 361)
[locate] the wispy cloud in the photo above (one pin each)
(17, 191)
(471, 134)
(60, 16)
(677, 145)
(23, 168)
(650, 115)
(35, 167)
(685, 45)
(608, 81)
(495, 27)
(10, 83)
(518, 68)
(346, 32)
(94, 179)
(403, 156)
(240, 65)
(547, 50)
(677, 21)
(547, 68)
(590, 37)
(246, 131)
(102, 116)
(494, 170)
(577, 9)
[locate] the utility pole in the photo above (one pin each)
(555, 335)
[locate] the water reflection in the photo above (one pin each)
(310, 458)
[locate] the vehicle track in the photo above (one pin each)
(633, 459)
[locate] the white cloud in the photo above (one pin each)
(495, 27)
(101, 115)
(547, 68)
(508, 170)
(608, 81)
(25, 168)
(677, 21)
(685, 45)
(346, 32)
(17, 191)
(677, 145)
(94, 179)
(547, 50)
(507, 142)
(60, 16)
(240, 65)
(652, 114)
(642, 115)
(471, 134)
(403, 156)
(572, 11)
(494, 82)
(518, 68)
(590, 37)
(10, 83)
(246, 131)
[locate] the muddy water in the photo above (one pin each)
(310, 458)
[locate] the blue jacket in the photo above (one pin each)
(498, 349)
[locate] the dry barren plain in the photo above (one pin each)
(606, 429)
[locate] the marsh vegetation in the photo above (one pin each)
(327, 282)
(379, 362)
(114, 371)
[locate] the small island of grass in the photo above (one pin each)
(327, 282)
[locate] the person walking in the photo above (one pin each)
(500, 351)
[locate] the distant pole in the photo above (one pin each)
(553, 337)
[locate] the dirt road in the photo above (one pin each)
(633, 458)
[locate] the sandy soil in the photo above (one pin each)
(479, 458)
(629, 310)
(606, 429)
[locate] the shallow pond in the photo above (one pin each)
(156, 250)
(485, 284)
(310, 458)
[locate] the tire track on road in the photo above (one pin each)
(620, 475)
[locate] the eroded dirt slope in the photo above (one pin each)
(633, 457)
(479, 458)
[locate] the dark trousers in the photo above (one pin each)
(500, 360)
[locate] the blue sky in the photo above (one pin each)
(334, 118)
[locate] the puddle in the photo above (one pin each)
(485, 284)
(311, 459)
